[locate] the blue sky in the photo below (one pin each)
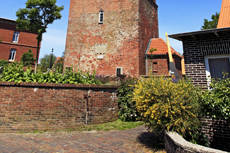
(175, 16)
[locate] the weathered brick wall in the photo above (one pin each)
(148, 29)
(120, 33)
(218, 132)
(26, 40)
(160, 65)
(161, 68)
(196, 49)
(32, 106)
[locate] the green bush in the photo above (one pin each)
(127, 107)
(165, 105)
(3, 63)
(15, 73)
(216, 101)
(28, 58)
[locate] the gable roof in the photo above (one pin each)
(224, 18)
(161, 46)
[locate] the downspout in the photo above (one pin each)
(146, 64)
(146, 56)
(87, 96)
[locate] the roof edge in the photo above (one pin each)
(179, 36)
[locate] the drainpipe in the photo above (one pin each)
(87, 96)
(146, 64)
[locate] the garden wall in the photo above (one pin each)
(174, 143)
(32, 106)
(218, 132)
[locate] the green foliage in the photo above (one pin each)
(127, 107)
(165, 105)
(115, 125)
(58, 67)
(28, 58)
(15, 73)
(216, 102)
(211, 24)
(3, 63)
(37, 15)
(45, 62)
(197, 137)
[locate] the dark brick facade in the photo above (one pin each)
(218, 132)
(127, 27)
(195, 48)
(32, 106)
(26, 40)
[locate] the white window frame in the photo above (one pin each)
(14, 54)
(15, 36)
(206, 58)
(121, 70)
(101, 16)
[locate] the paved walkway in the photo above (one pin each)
(134, 140)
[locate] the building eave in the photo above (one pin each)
(193, 34)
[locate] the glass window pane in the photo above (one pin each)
(218, 66)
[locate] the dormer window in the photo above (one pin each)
(15, 37)
(101, 17)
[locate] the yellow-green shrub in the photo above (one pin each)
(165, 105)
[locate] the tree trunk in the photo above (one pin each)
(36, 62)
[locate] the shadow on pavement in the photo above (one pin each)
(151, 140)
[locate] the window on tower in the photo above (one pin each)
(101, 17)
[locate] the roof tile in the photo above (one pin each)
(161, 47)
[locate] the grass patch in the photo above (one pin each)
(117, 125)
(111, 126)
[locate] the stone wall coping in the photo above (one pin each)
(58, 85)
(181, 142)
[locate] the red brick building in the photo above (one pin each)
(15, 42)
(110, 36)
(157, 63)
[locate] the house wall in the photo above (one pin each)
(119, 33)
(26, 40)
(33, 106)
(195, 51)
(162, 66)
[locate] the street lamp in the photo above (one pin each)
(51, 59)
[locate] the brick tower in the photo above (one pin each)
(110, 36)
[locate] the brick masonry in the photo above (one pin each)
(127, 27)
(32, 106)
(26, 40)
(218, 132)
(160, 64)
(196, 49)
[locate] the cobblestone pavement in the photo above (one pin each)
(133, 140)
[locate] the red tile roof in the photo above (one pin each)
(161, 47)
(224, 18)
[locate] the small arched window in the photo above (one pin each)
(101, 17)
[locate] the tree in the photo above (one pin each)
(36, 17)
(58, 66)
(28, 58)
(211, 24)
(45, 62)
